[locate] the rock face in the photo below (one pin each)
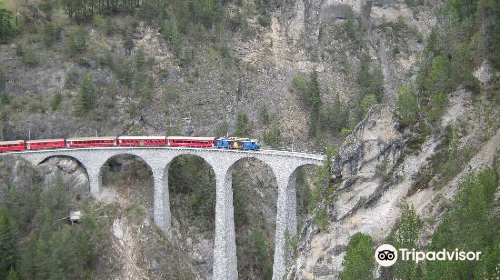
(17, 173)
(374, 140)
(70, 172)
(366, 157)
(377, 171)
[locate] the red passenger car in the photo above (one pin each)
(88, 142)
(193, 142)
(11, 146)
(138, 141)
(45, 144)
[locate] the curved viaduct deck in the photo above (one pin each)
(284, 165)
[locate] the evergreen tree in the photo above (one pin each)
(407, 106)
(13, 275)
(364, 75)
(314, 93)
(6, 27)
(242, 125)
(140, 59)
(439, 80)
(86, 97)
(7, 243)
(337, 115)
(359, 260)
(405, 235)
(128, 43)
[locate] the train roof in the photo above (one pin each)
(191, 138)
(141, 137)
(92, 138)
(11, 142)
(44, 140)
(238, 139)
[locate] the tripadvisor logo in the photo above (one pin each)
(387, 255)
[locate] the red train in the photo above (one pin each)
(110, 141)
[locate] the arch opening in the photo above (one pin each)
(67, 170)
(255, 194)
(305, 180)
(191, 184)
(192, 193)
(128, 180)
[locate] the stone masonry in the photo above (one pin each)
(284, 165)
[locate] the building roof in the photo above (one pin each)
(92, 138)
(11, 142)
(44, 140)
(142, 137)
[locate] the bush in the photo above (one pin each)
(6, 26)
(51, 33)
(76, 42)
(56, 101)
(407, 110)
(439, 103)
(3, 80)
(299, 87)
(439, 79)
(29, 56)
(264, 20)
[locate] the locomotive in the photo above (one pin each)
(132, 141)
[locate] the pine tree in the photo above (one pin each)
(6, 28)
(407, 106)
(86, 97)
(242, 125)
(314, 93)
(7, 243)
(405, 235)
(359, 260)
(13, 275)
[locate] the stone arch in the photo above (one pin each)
(174, 160)
(259, 189)
(106, 160)
(76, 159)
(292, 191)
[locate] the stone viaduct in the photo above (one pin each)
(285, 166)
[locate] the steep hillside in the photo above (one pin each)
(138, 82)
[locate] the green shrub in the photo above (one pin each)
(6, 26)
(407, 110)
(29, 56)
(439, 79)
(51, 33)
(56, 101)
(439, 103)
(76, 42)
(3, 80)
(264, 20)
(72, 78)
